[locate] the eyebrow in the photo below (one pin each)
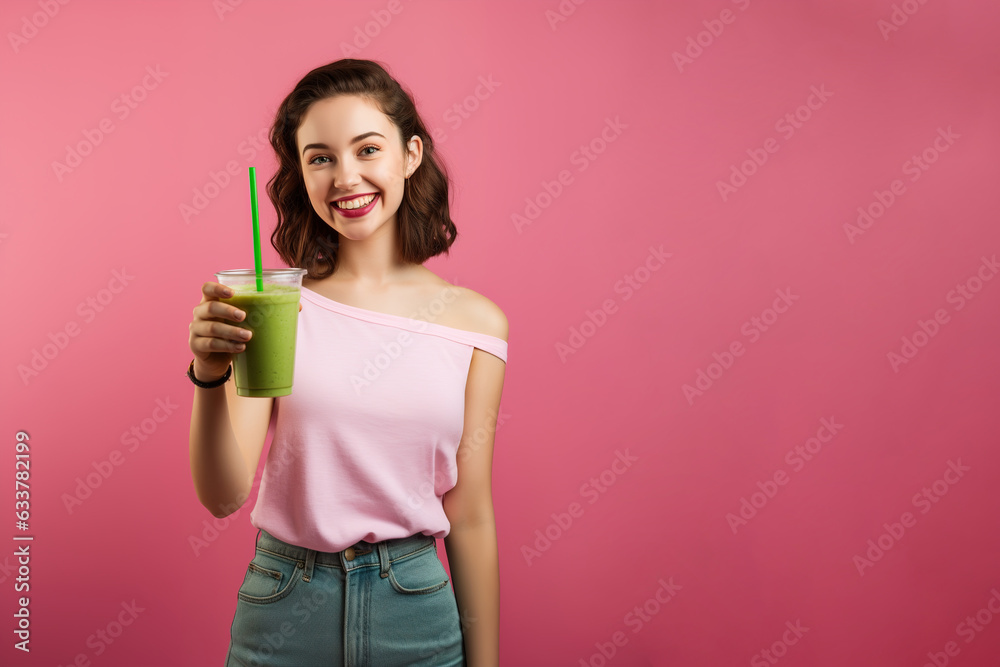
(360, 137)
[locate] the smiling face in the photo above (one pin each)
(347, 147)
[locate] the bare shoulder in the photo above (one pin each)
(470, 310)
(486, 316)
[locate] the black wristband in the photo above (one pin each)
(214, 383)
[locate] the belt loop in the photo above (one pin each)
(310, 561)
(383, 556)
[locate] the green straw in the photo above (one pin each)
(256, 230)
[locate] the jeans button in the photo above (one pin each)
(349, 553)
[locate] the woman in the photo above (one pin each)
(387, 439)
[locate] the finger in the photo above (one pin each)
(212, 344)
(227, 311)
(217, 310)
(217, 329)
(213, 290)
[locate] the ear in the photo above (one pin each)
(414, 154)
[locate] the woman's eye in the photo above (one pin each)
(323, 157)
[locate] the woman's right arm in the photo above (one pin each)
(227, 430)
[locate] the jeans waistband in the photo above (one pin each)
(393, 548)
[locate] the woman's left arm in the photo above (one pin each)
(472, 541)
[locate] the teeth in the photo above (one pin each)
(360, 202)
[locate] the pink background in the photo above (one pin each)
(659, 535)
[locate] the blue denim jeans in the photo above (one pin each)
(370, 605)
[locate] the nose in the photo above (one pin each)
(346, 177)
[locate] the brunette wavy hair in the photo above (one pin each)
(303, 239)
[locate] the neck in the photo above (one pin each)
(371, 263)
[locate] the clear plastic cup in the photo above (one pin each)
(266, 366)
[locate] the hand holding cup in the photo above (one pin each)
(269, 299)
(212, 339)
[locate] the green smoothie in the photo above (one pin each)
(266, 366)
